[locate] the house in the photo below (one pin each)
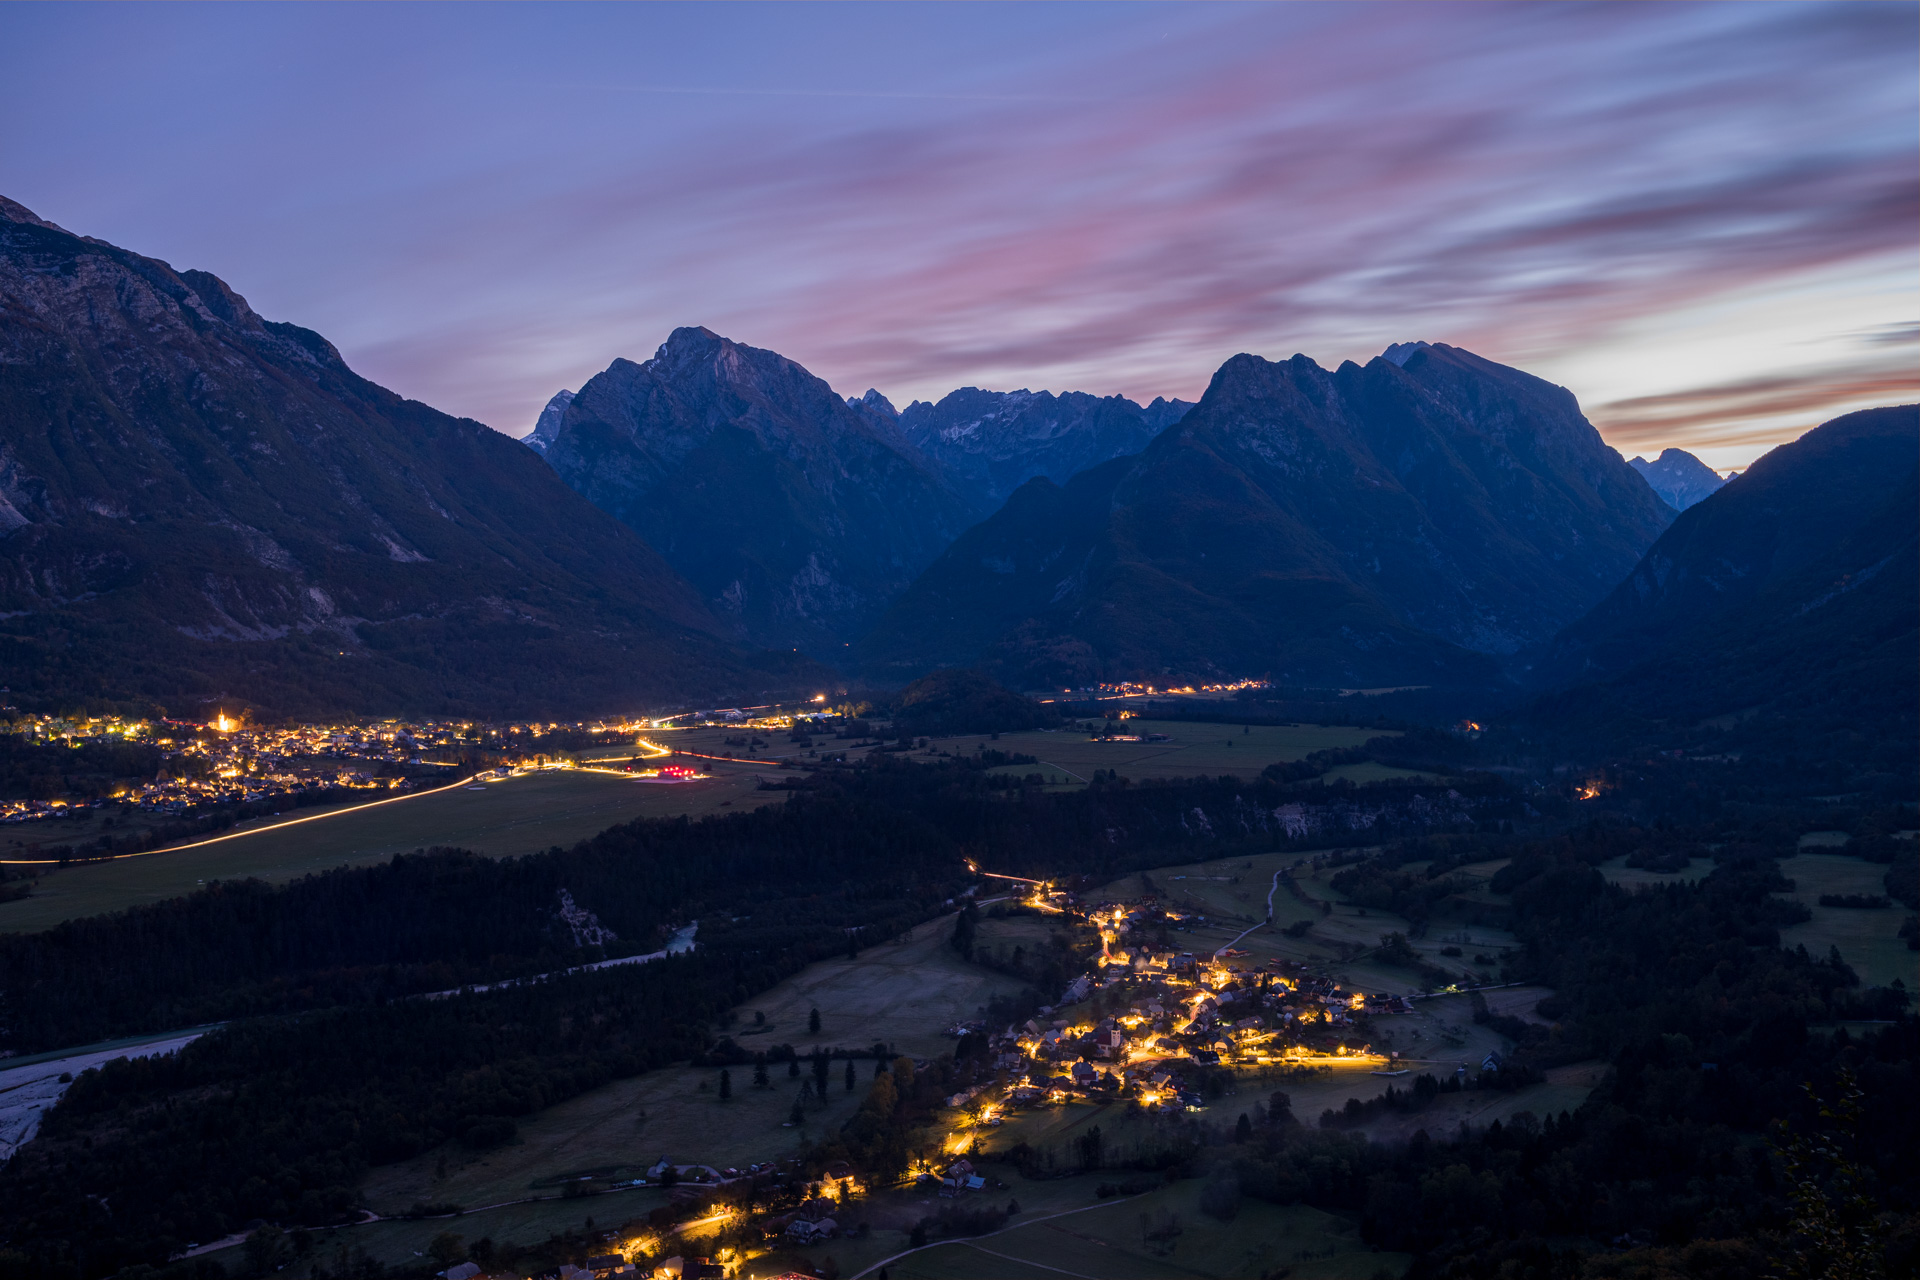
(601, 1265)
(1491, 1062)
(465, 1271)
(960, 1177)
(802, 1231)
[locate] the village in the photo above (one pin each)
(1162, 1033)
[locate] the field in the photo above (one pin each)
(905, 993)
(1618, 872)
(521, 815)
(619, 1130)
(1193, 750)
(1232, 894)
(1564, 1089)
(1110, 1243)
(1869, 940)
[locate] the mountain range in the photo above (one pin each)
(989, 443)
(198, 504)
(1678, 477)
(1404, 522)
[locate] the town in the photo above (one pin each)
(230, 761)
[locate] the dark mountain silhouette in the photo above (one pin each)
(1678, 477)
(989, 443)
(1391, 524)
(1791, 590)
(547, 425)
(797, 517)
(196, 502)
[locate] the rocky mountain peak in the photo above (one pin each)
(845, 511)
(875, 401)
(1401, 352)
(547, 425)
(989, 443)
(1678, 477)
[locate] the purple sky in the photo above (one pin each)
(1702, 219)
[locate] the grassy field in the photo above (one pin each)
(1192, 751)
(1618, 872)
(1232, 894)
(520, 815)
(627, 1125)
(1110, 1243)
(905, 993)
(1869, 940)
(1564, 1089)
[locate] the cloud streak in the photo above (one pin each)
(1112, 200)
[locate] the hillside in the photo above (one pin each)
(796, 518)
(196, 503)
(989, 443)
(1396, 523)
(1790, 590)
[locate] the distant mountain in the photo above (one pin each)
(1792, 590)
(196, 503)
(547, 425)
(1678, 477)
(796, 516)
(989, 443)
(1382, 525)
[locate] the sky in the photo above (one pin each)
(1704, 220)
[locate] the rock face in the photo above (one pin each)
(197, 502)
(1678, 477)
(1389, 524)
(1793, 586)
(989, 443)
(795, 515)
(547, 425)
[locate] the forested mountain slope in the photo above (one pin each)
(1791, 590)
(795, 516)
(197, 503)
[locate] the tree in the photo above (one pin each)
(849, 1075)
(965, 926)
(822, 1067)
(917, 1238)
(798, 1115)
(726, 1085)
(760, 1080)
(813, 1021)
(1836, 1230)
(265, 1249)
(447, 1249)
(1243, 1129)
(793, 1068)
